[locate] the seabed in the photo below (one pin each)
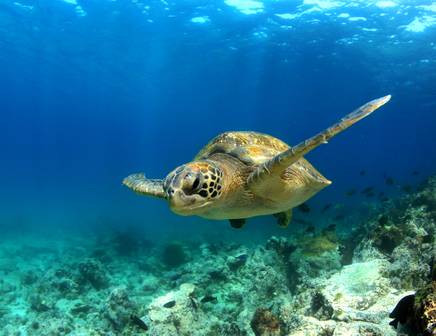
(313, 283)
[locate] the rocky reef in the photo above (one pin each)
(425, 309)
(323, 282)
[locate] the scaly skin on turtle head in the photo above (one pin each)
(193, 187)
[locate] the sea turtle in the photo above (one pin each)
(238, 175)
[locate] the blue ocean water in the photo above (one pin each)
(95, 90)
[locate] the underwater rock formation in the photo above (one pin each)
(174, 255)
(265, 323)
(295, 285)
(307, 266)
(119, 308)
(425, 309)
(91, 271)
(176, 313)
(326, 241)
(405, 234)
(417, 312)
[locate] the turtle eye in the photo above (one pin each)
(190, 184)
(196, 183)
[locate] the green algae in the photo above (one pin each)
(317, 245)
(74, 291)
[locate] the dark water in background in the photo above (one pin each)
(95, 90)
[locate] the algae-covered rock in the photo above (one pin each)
(362, 328)
(174, 255)
(387, 236)
(354, 301)
(320, 307)
(265, 323)
(236, 262)
(39, 303)
(310, 326)
(425, 309)
(92, 271)
(118, 308)
(405, 233)
(417, 312)
(361, 294)
(311, 259)
(307, 271)
(356, 287)
(282, 246)
(326, 241)
(177, 313)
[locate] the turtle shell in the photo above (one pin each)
(251, 148)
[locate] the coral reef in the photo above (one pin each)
(405, 234)
(323, 283)
(425, 309)
(91, 271)
(177, 313)
(417, 312)
(119, 308)
(319, 244)
(174, 255)
(265, 323)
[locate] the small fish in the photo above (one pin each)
(304, 208)
(384, 199)
(339, 217)
(415, 173)
(209, 298)
(402, 311)
(339, 206)
(407, 188)
(330, 228)
(389, 181)
(350, 192)
(138, 322)
(242, 257)
(326, 207)
(367, 190)
(362, 173)
(370, 194)
(170, 304)
(310, 229)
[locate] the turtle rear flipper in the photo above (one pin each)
(144, 186)
(237, 223)
(284, 218)
(278, 164)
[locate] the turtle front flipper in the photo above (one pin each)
(144, 186)
(284, 218)
(278, 164)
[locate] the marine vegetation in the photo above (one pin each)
(174, 255)
(326, 241)
(425, 309)
(291, 285)
(265, 323)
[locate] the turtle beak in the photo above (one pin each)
(179, 202)
(185, 205)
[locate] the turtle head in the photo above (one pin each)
(193, 187)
